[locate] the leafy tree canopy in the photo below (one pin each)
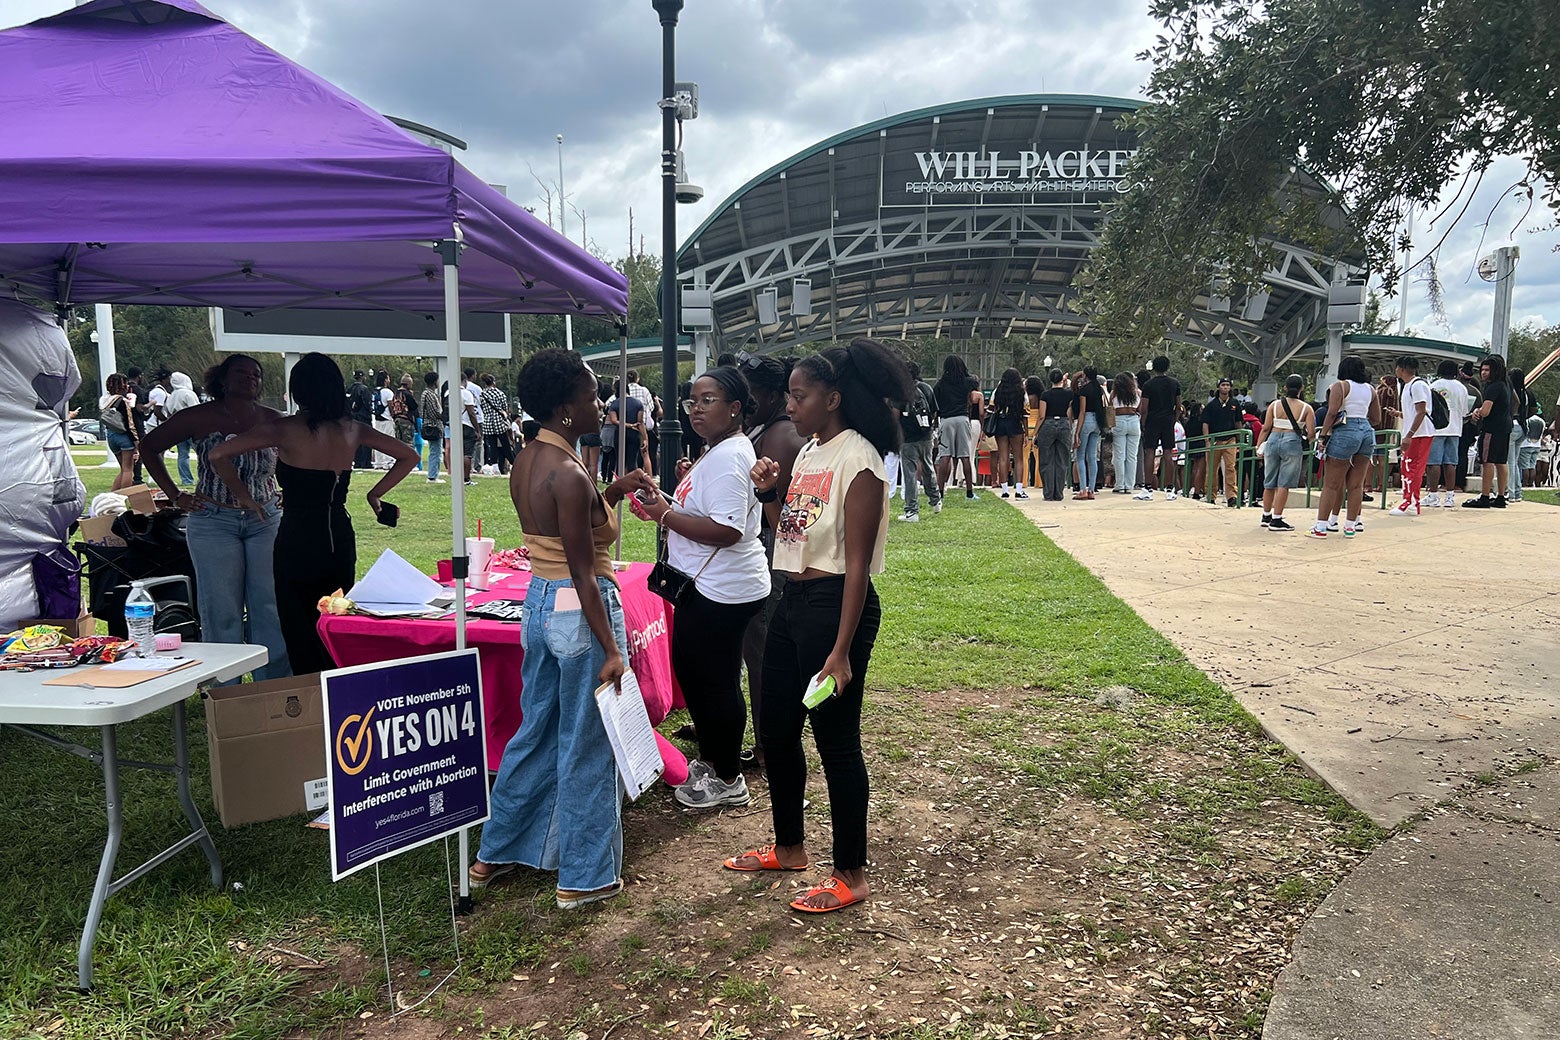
(1388, 101)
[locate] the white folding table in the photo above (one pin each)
(25, 704)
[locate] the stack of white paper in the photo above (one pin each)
(394, 588)
(630, 734)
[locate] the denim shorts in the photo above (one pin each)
(1353, 438)
(1527, 458)
(1443, 451)
(120, 442)
(1281, 456)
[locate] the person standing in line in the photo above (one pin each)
(1441, 476)
(917, 420)
(712, 533)
(1007, 407)
(1468, 450)
(1418, 433)
(470, 422)
(182, 396)
(1494, 416)
(403, 413)
(383, 420)
(557, 800)
(1380, 478)
(627, 413)
(1089, 410)
(315, 551)
(606, 465)
(774, 437)
(830, 544)
(1523, 405)
(157, 400)
(1348, 436)
(231, 540)
(649, 436)
(1055, 437)
(1221, 420)
(1126, 446)
(1195, 463)
(1161, 404)
(1034, 389)
(495, 429)
(953, 395)
(1283, 442)
(430, 408)
(360, 407)
(139, 408)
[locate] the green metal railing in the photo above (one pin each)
(1204, 445)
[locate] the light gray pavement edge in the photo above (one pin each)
(1411, 668)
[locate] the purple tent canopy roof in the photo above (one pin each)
(156, 154)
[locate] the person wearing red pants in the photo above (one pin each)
(1418, 433)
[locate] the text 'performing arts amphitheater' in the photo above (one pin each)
(965, 221)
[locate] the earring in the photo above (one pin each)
(567, 422)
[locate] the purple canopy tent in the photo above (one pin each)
(155, 154)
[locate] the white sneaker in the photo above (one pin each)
(1171, 495)
(1401, 509)
(1449, 500)
(1143, 495)
(937, 506)
(1430, 500)
(909, 518)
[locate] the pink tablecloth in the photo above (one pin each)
(356, 639)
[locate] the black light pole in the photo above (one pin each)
(671, 428)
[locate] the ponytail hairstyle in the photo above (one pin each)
(867, 375)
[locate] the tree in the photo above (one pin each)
(1386, 100)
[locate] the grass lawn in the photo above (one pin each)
(1073, 829)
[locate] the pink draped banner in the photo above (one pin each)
(356, 639)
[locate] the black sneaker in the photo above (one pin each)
(1280, 524)
(1368, 497)
(1497, 503)
(1267, 518)
(1477, 503)
(1231, 503)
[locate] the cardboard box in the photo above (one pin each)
(99, 530)
(267, 740)
(75, 628)
(140, 498)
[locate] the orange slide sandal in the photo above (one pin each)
(835, 887)
(767, 860)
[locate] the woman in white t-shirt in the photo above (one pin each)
(829, 543)
(712, 534)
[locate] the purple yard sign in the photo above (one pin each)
(407, 755)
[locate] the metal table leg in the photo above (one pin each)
(181, 765)
(105, 875)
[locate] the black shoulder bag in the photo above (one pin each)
(670, 583)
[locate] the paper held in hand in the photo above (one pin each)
(630, 734)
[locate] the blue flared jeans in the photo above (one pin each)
(557, 801)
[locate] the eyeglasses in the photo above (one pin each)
(704, 403)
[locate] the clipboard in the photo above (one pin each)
(101, 678)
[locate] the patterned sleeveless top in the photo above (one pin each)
(257, 469)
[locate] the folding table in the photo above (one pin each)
(25, 704)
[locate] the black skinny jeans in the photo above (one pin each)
(801, 635)
(707, 657)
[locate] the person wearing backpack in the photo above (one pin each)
(1416, 420)
(403, 411)
(432, 410)
(1444, 449)
(360, 407)
(116, 410)
(917, 420)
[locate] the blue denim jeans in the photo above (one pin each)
(186, 475)
(1089, 451)
(417, 443)
(435, 453)
(1124, 449)
(557, 800)
(1514, 464)
(235, 585)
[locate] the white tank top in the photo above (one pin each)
(1356, 403)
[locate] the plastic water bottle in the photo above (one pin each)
(139, 608)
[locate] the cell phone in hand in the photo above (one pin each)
(389, 514)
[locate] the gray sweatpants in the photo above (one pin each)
(916, 462)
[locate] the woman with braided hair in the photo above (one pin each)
(829, 543)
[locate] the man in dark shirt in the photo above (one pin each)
(1494, 416)
(628, 415)
(1222, 421)
(1161, 400)
(360, 406)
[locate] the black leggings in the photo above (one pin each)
(707, 658)
(801, 635)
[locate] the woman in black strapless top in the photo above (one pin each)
(316, 550)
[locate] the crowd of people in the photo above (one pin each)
(1138, 434)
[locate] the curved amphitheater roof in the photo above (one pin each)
(965, 221)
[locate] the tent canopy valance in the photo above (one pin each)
(153, 153)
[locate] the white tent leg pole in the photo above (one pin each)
(622, 448)
(449, 253)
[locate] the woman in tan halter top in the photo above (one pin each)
(556, 804)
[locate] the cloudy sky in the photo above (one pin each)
(775, 76)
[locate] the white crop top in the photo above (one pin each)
(811, 532)
(1356, 403)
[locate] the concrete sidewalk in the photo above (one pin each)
(1409, 667)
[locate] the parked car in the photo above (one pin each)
(84, 431)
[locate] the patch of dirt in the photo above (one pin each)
(1004, 905)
